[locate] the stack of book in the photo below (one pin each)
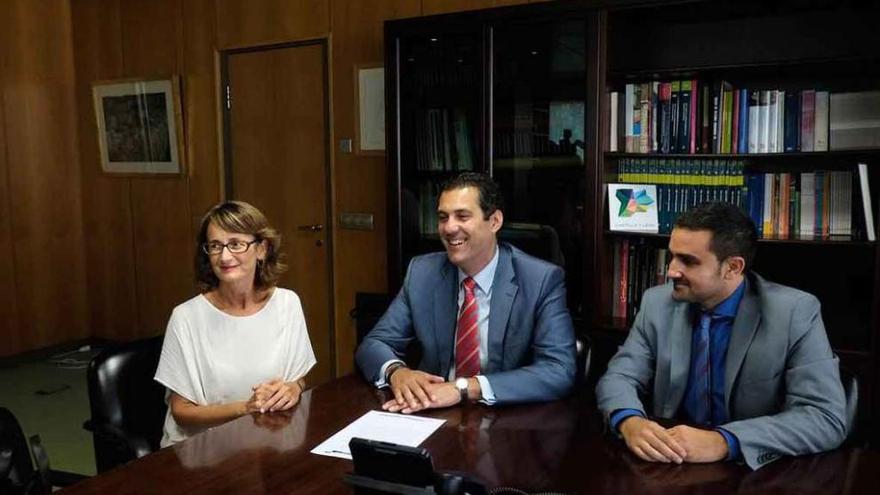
(637, 267)
(429, 193)
(685, 183)
(808, 205)
(693, 116)
(801, 205)
(443, 141)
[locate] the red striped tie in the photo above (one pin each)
(467, 343)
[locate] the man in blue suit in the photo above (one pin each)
(743, 359)
(491, 320)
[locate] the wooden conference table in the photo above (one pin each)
(557, 446)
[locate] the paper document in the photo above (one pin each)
(401, 429)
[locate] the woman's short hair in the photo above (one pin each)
(241, 218)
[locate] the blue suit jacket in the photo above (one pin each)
(531, 339)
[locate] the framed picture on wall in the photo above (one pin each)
(370, 108)
(139, 126)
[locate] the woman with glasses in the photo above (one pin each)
(241, 346)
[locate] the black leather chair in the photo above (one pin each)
(17, 472)
(540, 241)
(584, 358)
(127, 405)
(851, 392)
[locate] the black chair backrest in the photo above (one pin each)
(540, 241)
(122, 391)
(19, 469)
(368, 308)
(851, 392)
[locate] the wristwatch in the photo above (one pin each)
(391, 369)
(461, 384)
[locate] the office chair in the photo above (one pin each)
(127, 406)
(851, 392)
(368, 308)
(17, 472)
(540, 241)
(584, 356)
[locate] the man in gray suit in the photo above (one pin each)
(491, 320)
(744, 359)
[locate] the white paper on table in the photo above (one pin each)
(402, 429)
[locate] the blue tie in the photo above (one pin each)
(702, 373)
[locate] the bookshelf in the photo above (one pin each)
(537, 104)
(501, 91)
(779, 47)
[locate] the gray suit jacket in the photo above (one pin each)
(782, 382)
(531, 339)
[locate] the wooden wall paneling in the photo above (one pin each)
(360, 182)
(109, 244)
(151, 37)
(164, 249)
(431, 7)
(255, 22)
(200, 108)
(11, 342)
(163, 241)
(43, 174)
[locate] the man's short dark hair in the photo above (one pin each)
(490, 193)
(733, 232)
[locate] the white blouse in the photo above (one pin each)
(210, 357)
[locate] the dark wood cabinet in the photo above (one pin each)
(530, 88)
(504, 92)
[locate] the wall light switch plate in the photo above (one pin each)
(356, 221)
(345, 145)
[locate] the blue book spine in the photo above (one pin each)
(756, 201)
(742, 145)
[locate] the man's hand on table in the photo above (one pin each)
(650, 441)
(701, 445)
(441, 395)
(412, 389)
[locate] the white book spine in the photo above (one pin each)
(629, 98)
(768, 204)
(754, 119)
(773, 122)
(655, 92)
(847, 211)
(763, 120)
(780, 121)
(612, 146)
(808, 203)
(866, 201)
(820, 129)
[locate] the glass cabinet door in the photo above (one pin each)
(440, 91)
(537, 148)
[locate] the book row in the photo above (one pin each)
(443, 140)
(685, 183)
(802, 206)
(693, 116)
(636, 268)
(808, 205)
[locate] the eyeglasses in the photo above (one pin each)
(235, 247)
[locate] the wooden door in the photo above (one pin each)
(277, 159)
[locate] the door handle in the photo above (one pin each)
(312, 228)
